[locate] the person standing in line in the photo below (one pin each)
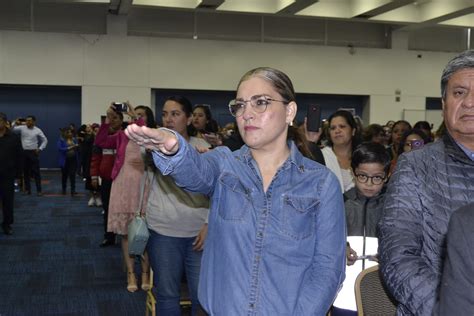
(10, 152)
(428, 185)
(276, 238)
(33, 142)
(127, 173)
(102, 163)
(68, 159)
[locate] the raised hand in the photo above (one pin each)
(153, 139)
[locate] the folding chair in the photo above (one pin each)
(151, 300)
(371, 296)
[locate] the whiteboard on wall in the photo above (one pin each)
(413, 116)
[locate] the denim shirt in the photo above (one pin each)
(280, 252)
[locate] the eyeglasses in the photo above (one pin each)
(259, 104)
(415, 144)
(363, 178)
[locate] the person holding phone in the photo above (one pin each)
(276, 238)
(127, 172)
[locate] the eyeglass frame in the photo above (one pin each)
(357, 175)
(253, 98)
(419, 143)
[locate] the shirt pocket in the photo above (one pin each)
(298, 216)
(234, 201)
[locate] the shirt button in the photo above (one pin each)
(260, 234)
(252, 305)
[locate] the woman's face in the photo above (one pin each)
(267, 129)
(340, 131)
(199, 119)
(413, 141)
(175, 118)
(398, 131)
(379, 138)
(141, 113)
(114, 120)
(88, 129)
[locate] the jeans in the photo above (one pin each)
(31, 168)
(169, 258)
(69, 171)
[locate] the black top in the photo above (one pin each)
(10, 155)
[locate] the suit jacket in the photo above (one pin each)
(457, 287)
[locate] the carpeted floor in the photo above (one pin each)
(53, 265)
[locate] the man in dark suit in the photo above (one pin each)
(457, 286)
(10, 151)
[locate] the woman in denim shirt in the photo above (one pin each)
(276, 235)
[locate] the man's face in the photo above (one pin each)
(30, 122)
(3, 124)
(458, 106)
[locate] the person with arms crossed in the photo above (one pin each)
(427, 186)
(276, 235)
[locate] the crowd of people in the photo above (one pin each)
(257, 215)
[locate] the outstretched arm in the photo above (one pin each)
(160, 139)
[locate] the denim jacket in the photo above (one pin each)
(280, 252)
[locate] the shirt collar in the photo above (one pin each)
(295, 158)
(466, 150)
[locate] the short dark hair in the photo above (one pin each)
(370, 152)
(31, 117)
(461, 61)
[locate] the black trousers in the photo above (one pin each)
(31, 168)
(7, 189)
(69, 171)
(105, 188)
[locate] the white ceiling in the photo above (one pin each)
(443, 12)
(431, 24)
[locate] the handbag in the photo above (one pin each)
(138, 233)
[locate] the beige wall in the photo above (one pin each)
(118, 68)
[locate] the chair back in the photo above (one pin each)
(371, 296)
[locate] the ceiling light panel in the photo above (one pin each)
(406, 14)
(438, 8)
(329, 9)
(182, 4)
(464, 21)
(359, 7)
(252, 6)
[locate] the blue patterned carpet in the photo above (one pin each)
(53, 265)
